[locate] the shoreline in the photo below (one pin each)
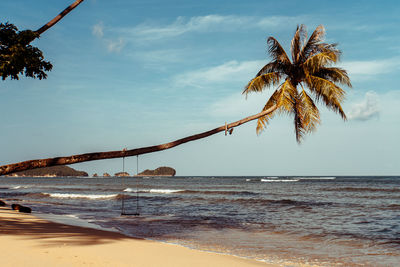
(27, 240)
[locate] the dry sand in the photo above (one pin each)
(29, 241)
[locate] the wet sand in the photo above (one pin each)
(26, 240)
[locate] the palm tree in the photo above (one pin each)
(309, 68)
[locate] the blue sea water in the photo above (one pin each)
(328, 221)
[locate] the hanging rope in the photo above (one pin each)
(123, 195)
(137, 213)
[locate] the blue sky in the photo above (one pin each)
(138, 73)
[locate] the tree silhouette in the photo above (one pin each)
(18, 56)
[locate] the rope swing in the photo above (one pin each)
(123, 212)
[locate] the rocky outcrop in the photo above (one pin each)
(54, 171)
(121, 174)
(161, 171)
(21, 208)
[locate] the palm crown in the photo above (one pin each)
(309, 68)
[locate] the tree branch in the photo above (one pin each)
(41, 163)
(58, 17)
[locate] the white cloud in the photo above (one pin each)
(237, 105)
(98, 30)
(209, 23)
(278, 21)
(232, 71)
(370, 69)
(115, 46)
(151, 31)
(367, 109)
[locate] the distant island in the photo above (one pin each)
(161, 171)
(65, 171)
(54, 171)
(121, 174)
(104, 175)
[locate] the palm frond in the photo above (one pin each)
(312, 45)
(298, 119)
(260, 82)
(331, 94)
(283, 98)
(273, 66)
(270, 67)
(323, 47)
(296, 43)
(306, 115)
(317, 61)
(286, 100)
(276, 51)
(333, 74)
(263, 121)
(311, 116)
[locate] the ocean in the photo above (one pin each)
(328, 221)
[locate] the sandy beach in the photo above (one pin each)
(26, 240)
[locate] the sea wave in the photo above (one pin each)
(280, 180)
(317, 178)
(363, 189)
(164, 191)
(291, 203)
(218, 192)
(186, 192)
(156, 191)
(129, 190)
(61, 195)
(36, 195)
(20, 187)
(75, 216)
(393, 207)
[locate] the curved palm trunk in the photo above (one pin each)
(40, 163)
(58, 17)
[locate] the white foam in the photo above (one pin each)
(72, 216)
(280, 180)
(163, 191)
(317, 178)
(60, 195)
(129, 190)
(156, 191)
(19, 187)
